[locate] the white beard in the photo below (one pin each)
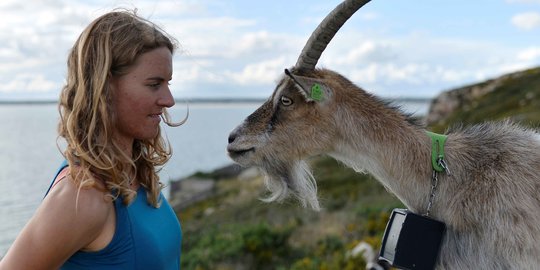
(298, 182)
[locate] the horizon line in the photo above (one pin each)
(197, 100)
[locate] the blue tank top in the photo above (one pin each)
(145, 238)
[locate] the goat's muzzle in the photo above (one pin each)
(239, 152)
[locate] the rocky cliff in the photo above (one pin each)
(514, 96)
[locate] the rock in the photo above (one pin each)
(465, 98)
(229, 171)
(448, 102)
(189, 191)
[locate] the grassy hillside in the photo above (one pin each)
(515, 97)
(235, 230)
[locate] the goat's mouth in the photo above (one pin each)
(236, 154)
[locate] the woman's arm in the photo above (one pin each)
(69, 219)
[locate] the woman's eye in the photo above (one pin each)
(286, 101)
(158, 84)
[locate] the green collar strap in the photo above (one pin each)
(437, 151)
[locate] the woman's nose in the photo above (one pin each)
(166, 100)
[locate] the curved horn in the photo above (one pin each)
(326, 30)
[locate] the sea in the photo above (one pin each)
(30, 150)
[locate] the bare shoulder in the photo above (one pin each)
(69, 218)
(87, 205)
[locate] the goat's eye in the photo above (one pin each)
(286, 101)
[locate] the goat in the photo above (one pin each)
(490, 203)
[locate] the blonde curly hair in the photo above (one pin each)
(107, 48)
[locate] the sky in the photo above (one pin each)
(239, 48)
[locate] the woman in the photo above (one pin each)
(104, 209)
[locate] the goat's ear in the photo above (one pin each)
(313, 89)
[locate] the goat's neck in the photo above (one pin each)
(384, 144)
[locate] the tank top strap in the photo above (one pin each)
(60, 169)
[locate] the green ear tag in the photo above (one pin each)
(316, 92)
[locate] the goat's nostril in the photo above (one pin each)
(232, 137)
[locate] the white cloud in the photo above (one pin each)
(167, 9)
(196, 73)
(524, 1)
(260, 73)
(207, 37)
(526, 21)
(529, 54)
(29, 83)
(366, 51)
(254, 42)
(410, 73)
(419, 64)
(224, 52)
(37, 39)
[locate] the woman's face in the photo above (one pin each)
(140, 96)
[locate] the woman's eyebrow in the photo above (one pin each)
(158, 78)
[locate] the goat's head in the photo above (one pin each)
(288, 127)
